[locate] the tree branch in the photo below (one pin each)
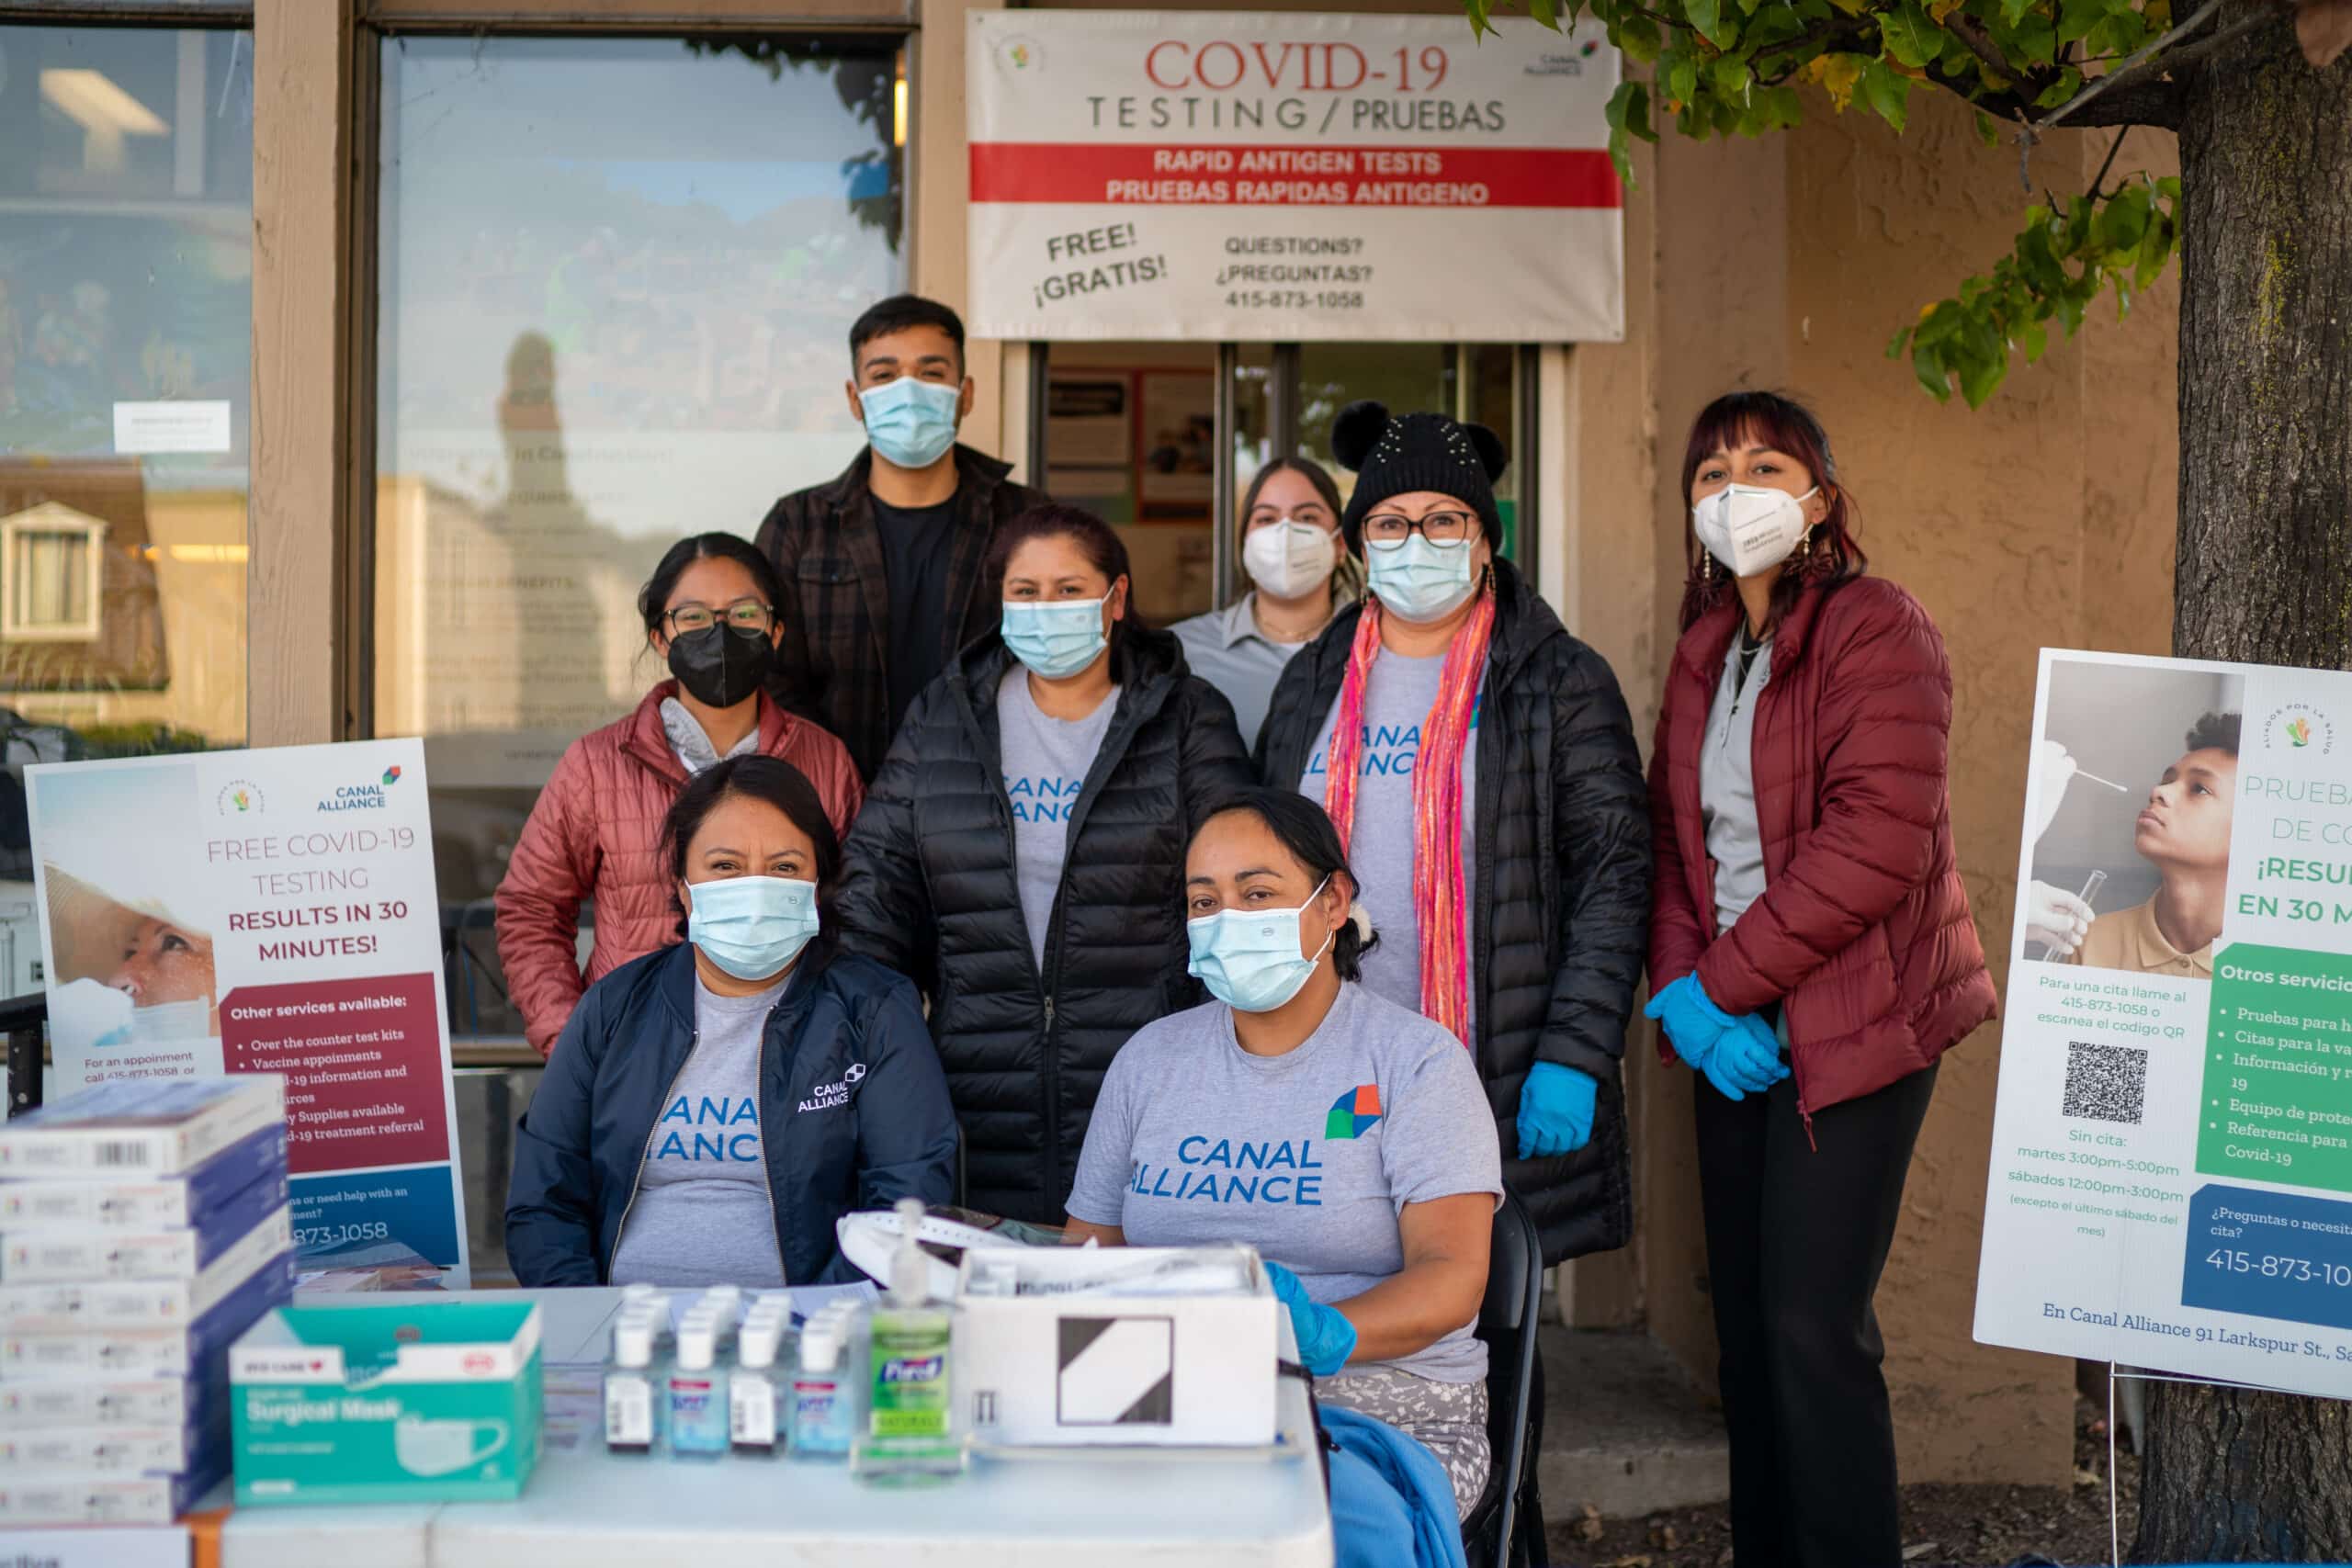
(2145, 90)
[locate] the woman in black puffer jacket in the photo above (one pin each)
(1537, 972)
(1021, 853)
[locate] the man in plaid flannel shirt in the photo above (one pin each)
(882, 567)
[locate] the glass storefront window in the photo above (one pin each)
(125, 351)
(616, 281)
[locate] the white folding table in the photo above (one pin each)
(588, 1508)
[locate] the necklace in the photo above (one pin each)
(1273, 633)
(1749, 647)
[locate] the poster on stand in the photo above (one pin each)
(267, 911)
(1291, 175)
(2171, 1174)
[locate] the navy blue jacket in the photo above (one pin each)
(844, 1026)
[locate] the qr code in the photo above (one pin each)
(2105, 1083)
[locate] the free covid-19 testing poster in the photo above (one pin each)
(267, 911)
(2171, 1181)
(1278, 176)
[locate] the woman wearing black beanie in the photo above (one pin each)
(1480, 766)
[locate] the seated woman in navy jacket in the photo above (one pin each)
(713, 1108)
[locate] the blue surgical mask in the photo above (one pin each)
(1055, 638)
(752, 926)
(911, 422)
(1420, 581)
(1250, 959)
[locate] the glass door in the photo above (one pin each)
(1163, 438)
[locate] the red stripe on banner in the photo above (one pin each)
(1143, 175)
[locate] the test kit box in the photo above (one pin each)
(1155, 1347)
(197, 1349)
(69, 1253)
(133, 1128)
(135, 1202)
(108, 1303)
(420, 1401)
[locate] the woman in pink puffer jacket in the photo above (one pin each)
(711, 612)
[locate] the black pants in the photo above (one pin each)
(1797, 1232)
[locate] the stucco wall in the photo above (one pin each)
(2045, 518)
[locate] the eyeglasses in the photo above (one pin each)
(1446, 530)
(744, 615)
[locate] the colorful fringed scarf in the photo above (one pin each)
(1440, 891)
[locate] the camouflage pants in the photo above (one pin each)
(1448, 1418)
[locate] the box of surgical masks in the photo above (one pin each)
(414, 1400)
(1059, 1347)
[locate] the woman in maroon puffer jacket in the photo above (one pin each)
(1812, 954)
(596, 831)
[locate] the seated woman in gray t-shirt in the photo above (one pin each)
(1347, 1138)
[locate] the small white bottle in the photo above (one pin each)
(821, 1413)
(632, 1414)
(697, 1395)
(752, 1390)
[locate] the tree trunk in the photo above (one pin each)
(2265, 577)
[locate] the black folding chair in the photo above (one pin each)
(1505, 1527)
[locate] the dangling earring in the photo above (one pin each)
(1707, 568)
(1800, 560)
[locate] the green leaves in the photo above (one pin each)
(2062, 263)
(1888, 92)
(1912, 37)
(1749, 67)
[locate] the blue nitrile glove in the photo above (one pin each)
(1554, 1110)
(1326, 1338)
(1693, 1022)
(1750, 1055)
(1698, 1029)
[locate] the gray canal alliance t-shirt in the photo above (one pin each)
(1309, 1156)
(704, 1214)
(1045, 764)
(1396, 706)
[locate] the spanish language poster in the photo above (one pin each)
(2171, 1178)
(267, 911)
(1278, 176)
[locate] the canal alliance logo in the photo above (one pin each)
(1018, 54)
(2297, 728)
(238, 797)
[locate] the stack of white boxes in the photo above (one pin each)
(143, 1227)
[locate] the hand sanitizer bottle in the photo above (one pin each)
(752, 1390)
(697, 1395)
(909, 1435)
(820, 1404)
(632, 1414)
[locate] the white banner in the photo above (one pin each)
(267, 911)
(1257, 177)
(2171, 1177)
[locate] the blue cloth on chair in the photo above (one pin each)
(1392, 1506)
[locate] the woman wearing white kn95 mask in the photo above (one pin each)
(1300, 574)
(1811, 957)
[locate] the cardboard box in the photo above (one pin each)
(69, 1254)
(1050, 1366)
(171, 1202)
(415, 1400)
(199, 1349)
(113, 1451)
(118, 1402)
(68, 1497)
(133, 1128)
(148, 1304)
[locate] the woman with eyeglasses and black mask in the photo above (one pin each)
(1479, 764)
(710, 612)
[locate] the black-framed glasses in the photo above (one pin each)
(1446, 530)
(743, 616)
